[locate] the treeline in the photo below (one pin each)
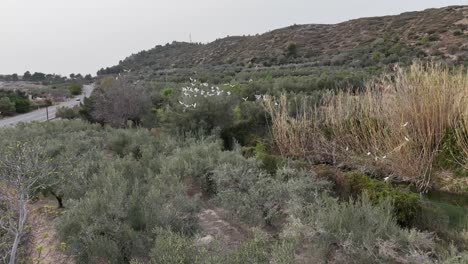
(44, 78)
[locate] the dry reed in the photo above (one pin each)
(397, 122)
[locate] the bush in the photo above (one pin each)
(200, 107)
(406, 204)
(7, 107)
(68, 113)
(22, 105)
(357, 231)
(253, 195)
(75, 89)
(248, 192)
(171, 247)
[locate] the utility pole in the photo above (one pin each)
(190, 37)
(48, 103)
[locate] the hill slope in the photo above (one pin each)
(433, 33)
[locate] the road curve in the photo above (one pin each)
(41, 114)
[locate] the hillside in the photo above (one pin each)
(376, 41)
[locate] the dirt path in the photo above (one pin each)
(215, 226)
(43, 246)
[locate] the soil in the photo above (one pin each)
(44, 246)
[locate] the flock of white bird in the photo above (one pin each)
(199, 89)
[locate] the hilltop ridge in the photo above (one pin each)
(440, 34)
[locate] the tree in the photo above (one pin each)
(38, 76)
(7, 107)
(11, 78)
(118, 103)
(23, 167)
(27, 76)
(291, 49)
(23, 105)
(75, 89)
(88, 77)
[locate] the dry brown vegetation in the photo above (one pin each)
(397, 123)
(434, 31)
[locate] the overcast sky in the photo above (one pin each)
(64, 36)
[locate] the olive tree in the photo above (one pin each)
(120, 102)
(23, 167)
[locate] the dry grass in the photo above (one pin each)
(398, 122)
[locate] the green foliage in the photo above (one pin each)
(75, 89)
(291, 49)
(358, 231)
(406, 204)
(196, 111)
(7, 107)
(166, 93)
(68, 113)
(257, 197)
(22, 104)
(270, 162)
(249, 193)
(450, 155)
(171, 247)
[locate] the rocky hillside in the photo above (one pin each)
(432, 34)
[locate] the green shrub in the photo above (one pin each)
(75, 89)
(7, 107)
(450, 153)
(68, 113)
(407, 206)
(22, 105)
(269, 162)
(357, 231)
(175, 248)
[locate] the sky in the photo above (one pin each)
(65, 36)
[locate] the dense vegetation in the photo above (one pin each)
(127, 197)
(134, 194)
(295, 150)
(14, 102)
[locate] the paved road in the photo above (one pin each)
(41, 115)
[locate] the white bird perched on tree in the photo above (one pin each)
(387, 178)
(406, 138)
(245, 99)
(405, 124)
(369, 153)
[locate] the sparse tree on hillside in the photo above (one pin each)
(22, 171)
(119, 102)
